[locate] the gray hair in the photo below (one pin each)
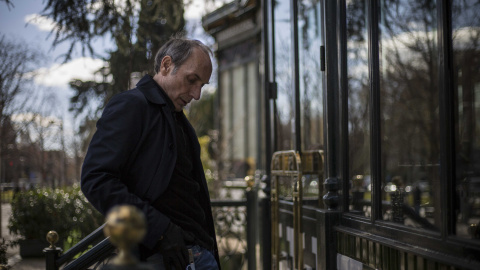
(179, 49)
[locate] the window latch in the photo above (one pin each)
(322, 58)
(272, 90)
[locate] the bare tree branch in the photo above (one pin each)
(8, 3)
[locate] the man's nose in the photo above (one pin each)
(196, 92)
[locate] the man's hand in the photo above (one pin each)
(173, 249)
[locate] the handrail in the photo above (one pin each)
(82, 245)
(98, 253)
(219, 203)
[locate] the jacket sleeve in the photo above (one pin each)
(118, 131)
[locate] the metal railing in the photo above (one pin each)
(93, 249)
(234, 224)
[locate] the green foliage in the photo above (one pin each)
(206, 161)
(81, 22)
(3, 252)
(84, 92)
(201, 114)
(66, 211)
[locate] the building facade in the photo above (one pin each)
(365, 118)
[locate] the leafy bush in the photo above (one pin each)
(66, 211)
(3, 254)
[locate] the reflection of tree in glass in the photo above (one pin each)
(283, 76)
(409, 87)
(409, 93)
(466, 80)
(358, 89)
(310, 74)
(466, 45)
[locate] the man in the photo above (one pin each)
(145, 153)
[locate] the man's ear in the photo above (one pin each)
(166, 65)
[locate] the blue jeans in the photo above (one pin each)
(204, 260)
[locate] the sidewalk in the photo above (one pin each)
(13, 254)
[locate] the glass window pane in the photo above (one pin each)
(311, 104)
(358, 108)
(466, 61)
(409, 113)
(283, 76)
(311, 101)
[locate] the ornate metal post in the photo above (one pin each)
(52, 252)
(331, 103)
(125, 227)
(331, 199)
(251, 195)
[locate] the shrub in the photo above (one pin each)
(66, 211)
(3, 253)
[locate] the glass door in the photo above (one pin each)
(296, 53)
(311, 67)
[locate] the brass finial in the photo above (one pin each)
(474, 231)
(52, 238)
(250, 181)
(126, 227)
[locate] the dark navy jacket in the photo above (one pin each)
(131, 157)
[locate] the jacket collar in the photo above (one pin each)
(153, 92)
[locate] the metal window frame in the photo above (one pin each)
(445, 240)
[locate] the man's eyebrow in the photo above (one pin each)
(198, 78)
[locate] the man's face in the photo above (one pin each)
(187, 81)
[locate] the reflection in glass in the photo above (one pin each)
(286, 173)
(311, 118)
(283, 76)
(358, 108)
(285, 221)
(310, 40)
(466, 61)
(409, 113)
